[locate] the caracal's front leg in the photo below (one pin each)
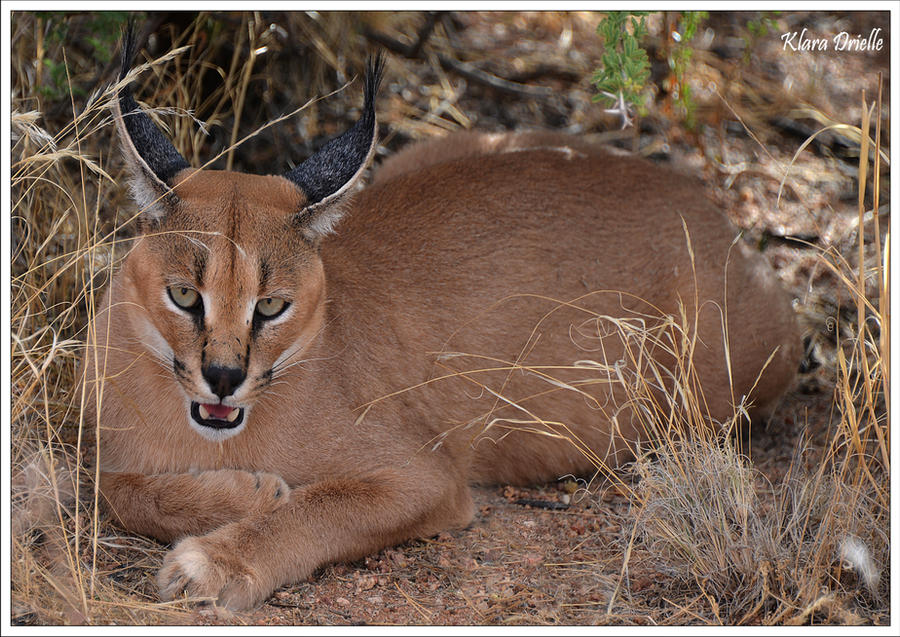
(241, 564)
(169, 506)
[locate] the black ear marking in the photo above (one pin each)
(330, 172)
(148, 150)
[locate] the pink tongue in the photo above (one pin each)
(218, 411)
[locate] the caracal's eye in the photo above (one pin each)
(185, 298)
(271, 307)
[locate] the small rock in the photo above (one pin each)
(365, 582)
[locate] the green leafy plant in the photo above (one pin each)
(624, 66)
(56, 85)
(99, 30)
(679, 57)
(758, 28)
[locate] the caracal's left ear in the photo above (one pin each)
(152, 159)
(329, 174)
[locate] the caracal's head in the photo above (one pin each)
(226, 282)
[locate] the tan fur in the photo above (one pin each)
(465, 246)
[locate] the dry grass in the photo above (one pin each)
(812, 548)
(816, 546)
(69, 230)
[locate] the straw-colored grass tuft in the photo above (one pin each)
(815, 546)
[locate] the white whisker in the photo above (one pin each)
(279, 366)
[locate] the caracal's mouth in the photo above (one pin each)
(217, 416)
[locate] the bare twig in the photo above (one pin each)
(463, 69)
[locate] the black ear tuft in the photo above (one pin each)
(374, 75)
(340, 162)
(153, 149)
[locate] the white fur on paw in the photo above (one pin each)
(193, 563)
(193, 568)
(187, 569)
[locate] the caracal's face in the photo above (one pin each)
(232, 293)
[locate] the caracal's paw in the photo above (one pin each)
(251, 492)
(212, 568)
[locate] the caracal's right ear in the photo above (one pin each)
(152, 159)
(326, 177)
